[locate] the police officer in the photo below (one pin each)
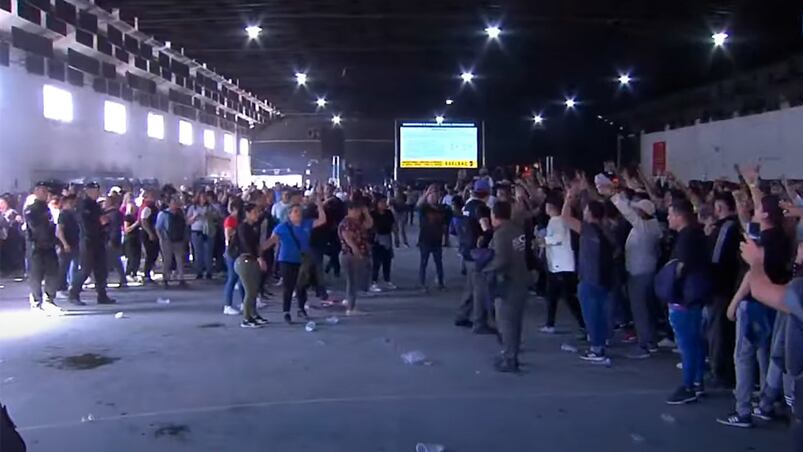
(92, 246)
(43, 262)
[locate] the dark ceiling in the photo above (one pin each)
(402, 58)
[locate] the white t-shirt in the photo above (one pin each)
(558, 239)
(198, 223)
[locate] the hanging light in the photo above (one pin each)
(719, 38)
(439, 119)
(493, 31)
(253, 31)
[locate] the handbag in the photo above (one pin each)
(307, 263)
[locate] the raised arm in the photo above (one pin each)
(751, 177)
(321, 220)
(623, 205)
(367, 219)
(573, 223)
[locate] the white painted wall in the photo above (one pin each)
(31, 145)
(708, 151)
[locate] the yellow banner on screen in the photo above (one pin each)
(438, 164)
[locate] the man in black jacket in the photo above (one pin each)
(92, 247)
(42, 258)
(724, 242)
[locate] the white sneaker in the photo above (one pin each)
(666, 343)
(547, 329)
(51, 309)
(375, 288)
(390, 286)
(229, 310)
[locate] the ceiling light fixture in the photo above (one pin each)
(570, 103)
(449, 101)
(301, 78)
(625, 79)
(253, 31)
(719, 38)
(493, 31)
(336, 120)
(467, 77)
(538, 119)
(321, 102)
(439, 119)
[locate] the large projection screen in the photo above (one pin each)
(432, 145)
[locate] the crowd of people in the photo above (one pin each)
(706, 267)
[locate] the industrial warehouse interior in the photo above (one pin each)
(381, 226)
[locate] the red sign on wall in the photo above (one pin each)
(658, 158)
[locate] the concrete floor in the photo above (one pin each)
(182, 377)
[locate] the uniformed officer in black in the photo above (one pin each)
(43, 262)
(92, 246)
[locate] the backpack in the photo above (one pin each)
(176, 227)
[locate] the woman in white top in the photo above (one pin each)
(202, 218)
(561, 275)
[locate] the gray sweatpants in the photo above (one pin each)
(356, 270)
(474, 299)
(744, 358)
(642, 304)
(777, 381)
(173, 251)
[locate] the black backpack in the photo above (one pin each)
(10, 439)
(176, 227)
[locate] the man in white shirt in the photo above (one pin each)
(282, 208)
(561, 273)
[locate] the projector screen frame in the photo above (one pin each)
(480, 126)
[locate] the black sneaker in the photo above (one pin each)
(596, 357)
(250, 323)
(699, 389)
(638, 352)
(484, 330)
(464, 323)
(758, 413)
(106, 300)
(505, 365)
(287, 318)
(259, 319)
(302, 314)
(76, 301)
(681, 396)
(734, 420)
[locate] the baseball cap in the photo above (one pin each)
(644, 205)
(482, 185)
(92, 184)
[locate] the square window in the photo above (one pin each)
(245, 146)
(114, 117)
(228, 143)
(185, 133)
(209, 139)
(156, 126)
(57, 104)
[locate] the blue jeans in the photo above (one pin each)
(231, 281)
(687, 323)
(437, 255)
(203, 248)
(594, 302)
